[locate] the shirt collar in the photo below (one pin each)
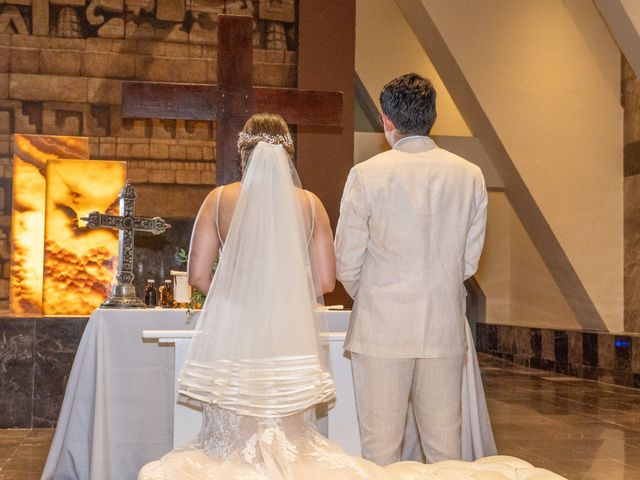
(414, 143)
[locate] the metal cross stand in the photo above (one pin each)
(123, 294)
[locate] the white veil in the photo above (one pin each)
(256, 348)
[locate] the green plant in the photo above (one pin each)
(197, 297)
(183, 256)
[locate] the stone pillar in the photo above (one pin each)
(631, 104)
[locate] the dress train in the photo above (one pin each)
(234, 447)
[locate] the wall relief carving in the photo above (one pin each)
(187, 21)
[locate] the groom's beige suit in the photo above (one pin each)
(411, 230)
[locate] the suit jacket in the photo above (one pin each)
(411, 230)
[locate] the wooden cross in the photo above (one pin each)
(233, 100)
(123, 295)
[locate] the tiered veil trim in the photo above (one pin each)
(269, 387)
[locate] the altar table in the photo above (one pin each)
(117, 412)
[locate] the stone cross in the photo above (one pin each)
(233, 100)
(123, 294)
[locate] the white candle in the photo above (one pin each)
(181, 287)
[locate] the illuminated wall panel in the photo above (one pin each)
(31, 154)
(79, 263)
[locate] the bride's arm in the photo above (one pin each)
(323, 259)
(204, 245)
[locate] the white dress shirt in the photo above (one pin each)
(411, 230)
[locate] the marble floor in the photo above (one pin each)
(23, 453)
(581, 429)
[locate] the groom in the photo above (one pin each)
(411, 230)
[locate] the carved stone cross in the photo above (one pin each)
(123, 295)
(233, 100)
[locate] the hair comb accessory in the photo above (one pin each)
(266, 137)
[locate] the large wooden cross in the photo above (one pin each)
(233, 100)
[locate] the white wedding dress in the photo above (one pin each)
(255, 360)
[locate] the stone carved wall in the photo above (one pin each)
(183, 21)
(62, 64)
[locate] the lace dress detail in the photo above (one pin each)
(224, 432)
(238, 447)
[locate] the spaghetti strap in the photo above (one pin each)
(313, 215)
(218, 215)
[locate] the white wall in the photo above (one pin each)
(548, 94)
(519, 288)
(632, 7)
(387, 48)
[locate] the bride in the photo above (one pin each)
(255, 361)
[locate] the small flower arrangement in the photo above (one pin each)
(197, 297)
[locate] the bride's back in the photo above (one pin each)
(228, 199)
(211, 227)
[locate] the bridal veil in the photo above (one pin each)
(256, 348)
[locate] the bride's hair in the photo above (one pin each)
(263, 127)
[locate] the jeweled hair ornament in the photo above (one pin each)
(265, 137)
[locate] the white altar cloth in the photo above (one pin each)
(117, 412)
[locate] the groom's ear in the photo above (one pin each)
(387, 123)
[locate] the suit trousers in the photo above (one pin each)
(382, 389)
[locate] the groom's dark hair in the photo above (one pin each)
(410, 103)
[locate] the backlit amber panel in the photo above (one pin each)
(79, 263)
(31, 154)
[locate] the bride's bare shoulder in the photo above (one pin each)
(308, 195)
(210, 202)
(231, 192)
(302, 194)
(229, 189)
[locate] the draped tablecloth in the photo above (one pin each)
(117, 412)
